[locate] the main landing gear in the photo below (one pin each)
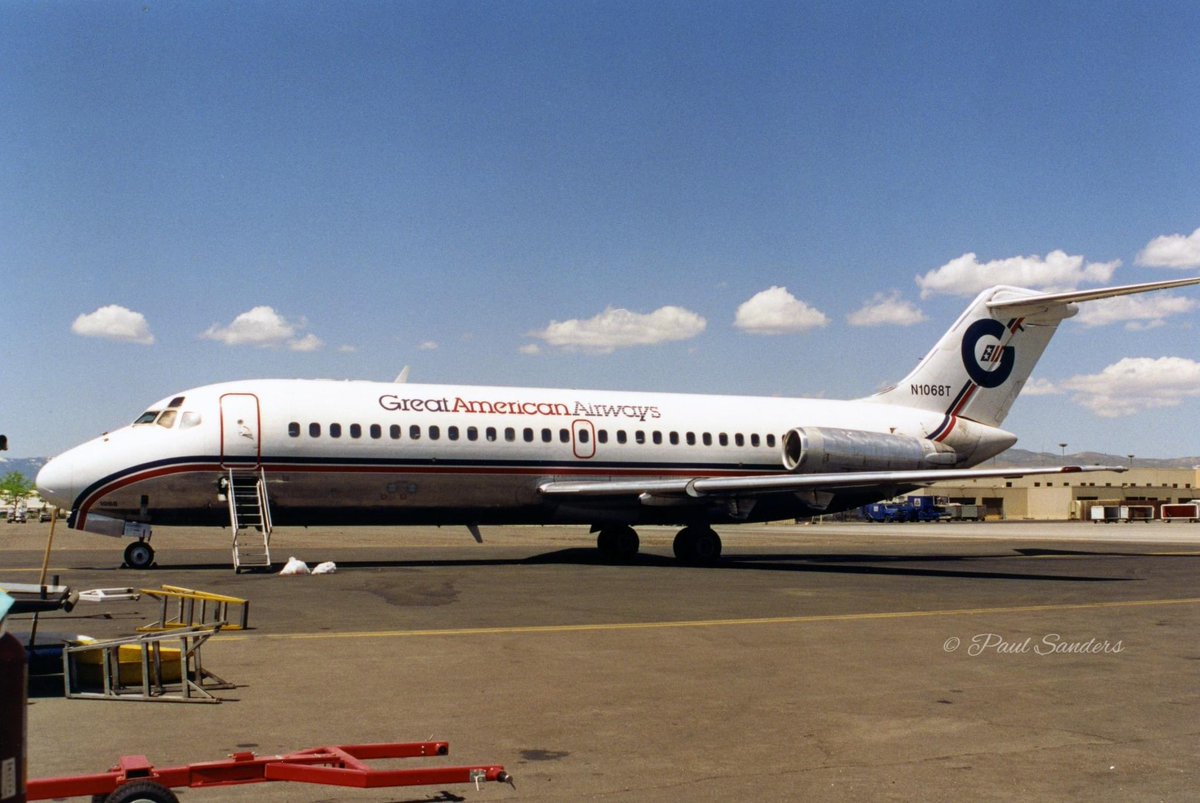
(696, 545)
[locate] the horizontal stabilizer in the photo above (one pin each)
(1026, 306)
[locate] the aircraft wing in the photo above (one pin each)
(697, 487)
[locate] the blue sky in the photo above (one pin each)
(765, 198)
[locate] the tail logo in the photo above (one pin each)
(992, 367)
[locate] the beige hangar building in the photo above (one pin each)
(1064, 497)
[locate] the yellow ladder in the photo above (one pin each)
(196, 609)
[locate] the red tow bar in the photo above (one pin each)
(342, 765)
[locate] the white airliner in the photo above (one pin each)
(308, 452)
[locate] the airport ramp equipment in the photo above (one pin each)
(250, 518)
(193, 608)
(37, 597)
(143, 668)
(135, 778)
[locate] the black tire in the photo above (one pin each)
(142, 792)
(618, 544)
(139, 555)
(697, 546)
(707, 547)
(683, 544)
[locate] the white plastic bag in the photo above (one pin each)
(328, 567)
(293, 567)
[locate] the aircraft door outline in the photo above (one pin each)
(583, 438)
(241, 430)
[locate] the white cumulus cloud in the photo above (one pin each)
(1041, 387)
(1058, 270)
(265, 328)
(1136, 312)
(775, 311)
(114, 323)
(1172, 251)
(620, 328)
(886, 309)
(1136, 384)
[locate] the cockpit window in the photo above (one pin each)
(190, 419)
(176, 402)
(167, 419)
(147, 417)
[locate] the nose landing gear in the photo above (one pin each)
(139, 555)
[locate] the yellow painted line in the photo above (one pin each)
(769, 620)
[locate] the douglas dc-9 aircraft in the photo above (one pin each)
(307, 452)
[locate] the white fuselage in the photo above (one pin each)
(359, 452)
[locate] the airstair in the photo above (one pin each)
(250, 518)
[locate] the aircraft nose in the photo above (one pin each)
(56, 482)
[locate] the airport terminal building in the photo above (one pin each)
(1067, 497)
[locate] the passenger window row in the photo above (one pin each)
(529, 435)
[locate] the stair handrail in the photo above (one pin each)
(264, 505)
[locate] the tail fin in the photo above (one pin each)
(980, 366)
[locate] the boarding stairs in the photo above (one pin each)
(250, 518)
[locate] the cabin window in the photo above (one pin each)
(707, 439)
(452, 433)
(564, 435)
(294, 429)
(674, 438)
(335, 430)
(472, 433)
(639, 436)
(621, 436)
(754, 441)
(376, 431)
(771, 441)
(435, 432)
(394, 431)
(657, 436)
(490, 434)
(414, 432)
(723, 439)
(314, 430)
(583, 435)
(739, 439)
(691, 438)
(527, 435)
(602, 435)
(510, 434)
(547, 435)
(356, 430)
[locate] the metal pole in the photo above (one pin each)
(42, 578)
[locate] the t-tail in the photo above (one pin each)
(980, 366)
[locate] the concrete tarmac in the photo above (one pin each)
(827, 662)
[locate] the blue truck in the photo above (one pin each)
(913, 508)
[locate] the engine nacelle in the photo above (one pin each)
(820, 450)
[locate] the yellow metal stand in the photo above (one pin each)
(196, 609)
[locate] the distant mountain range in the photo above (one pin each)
(27, 467)
(1022, 458)
(1016, 458)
